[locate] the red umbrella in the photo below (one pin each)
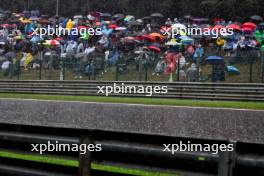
(128, 39)
(147, 37)
(54, 42)
(154, 48)
(95, 14)
(97, 23)
(4, 25)
(81, 27)
(234, 27)
(14, 25)
(249, 25)
(44, 21)
(218, 27)
(113, 26)
(247, 29)
(58, 39)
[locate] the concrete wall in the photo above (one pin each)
(205, 123)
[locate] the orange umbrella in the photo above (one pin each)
(157, 35)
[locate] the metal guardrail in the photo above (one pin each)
(119, 150)
(177, 90)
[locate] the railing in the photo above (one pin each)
(201, 91)
(250, 64)
(122, 154)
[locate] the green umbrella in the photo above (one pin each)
(85, 36)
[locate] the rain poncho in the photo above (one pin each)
(199, 52)
(71, 48)
(89, 50)
(160, 67)
(5, 65)
(113, 58)
(69, 24)
(29, 58)
(193, 74)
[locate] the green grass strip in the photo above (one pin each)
(146, 101)
(74, 163)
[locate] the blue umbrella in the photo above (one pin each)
(232, 69)
(214, 58)
(35, 39)
(34, 18)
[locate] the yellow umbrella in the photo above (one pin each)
(24, 21)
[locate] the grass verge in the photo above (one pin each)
(74, 163)
(146, 101)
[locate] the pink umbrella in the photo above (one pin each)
(5, 25)
(154, 48)
(234, 27)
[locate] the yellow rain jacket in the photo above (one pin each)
(29, 58)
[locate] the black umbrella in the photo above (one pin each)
(10, 55)
(146, 18)
(134, 23)
(120, 15)
(53, 20)
(106, 15)
(256, 18)
(157, 15)
(187, 16)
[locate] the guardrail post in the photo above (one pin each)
(227, 162)
(85, 159)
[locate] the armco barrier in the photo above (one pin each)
(201, 91)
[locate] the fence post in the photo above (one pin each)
(93, 71)
(116, 74)
(140, 69)
(18, 69)
(227, 162)
(62, 70)
(85, 159)
(146, 72)
(251, 71)
(11, 70)
(40, 67)
(178, 69)
(262, 66)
